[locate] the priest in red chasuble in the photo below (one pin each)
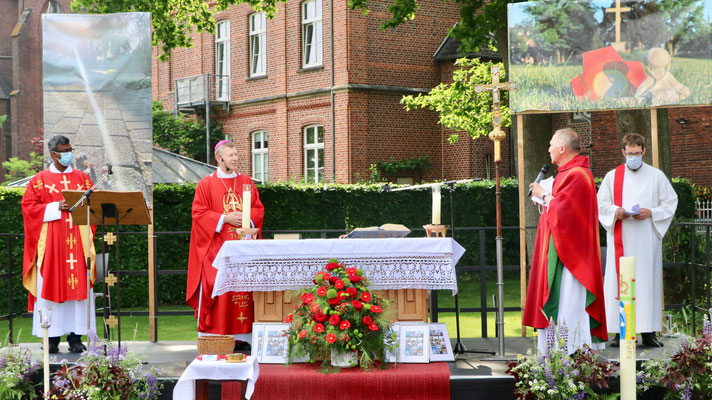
(217, 211)
(54, 264)
(566, 282)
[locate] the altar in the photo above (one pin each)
(402, 269)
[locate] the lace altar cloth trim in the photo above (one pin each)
(423, 272)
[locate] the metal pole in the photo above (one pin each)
(500, 274)
(207, 119)
(9, 289)
(88, 265)
(333, 96)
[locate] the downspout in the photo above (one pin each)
(333, 108)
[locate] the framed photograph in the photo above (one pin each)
(414, 343)
(258, 331)
(392, 356)
(440, 346)
(275, 344)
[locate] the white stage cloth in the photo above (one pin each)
(216, 371)
(394, 263)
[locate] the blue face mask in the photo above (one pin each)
(66, 158)
(634, 162)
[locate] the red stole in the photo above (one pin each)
(618, 227)
(55, 249)
(572, 220)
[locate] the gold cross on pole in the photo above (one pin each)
(71, 261)
(497, 135)
(112, 321)
(241, 318)
(71, 241)
(110, 238)
(52, 189)
(69, 220)
(65, 182)
(72, 281)
(110, 279)
(618, 10)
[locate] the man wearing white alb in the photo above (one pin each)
(636, 204)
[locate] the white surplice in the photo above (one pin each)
(649, 187)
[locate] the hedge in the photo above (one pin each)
(295, 207)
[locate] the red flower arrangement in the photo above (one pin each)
(339, 312)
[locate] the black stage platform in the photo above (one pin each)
(472, 376)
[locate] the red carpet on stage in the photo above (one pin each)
(304, 381)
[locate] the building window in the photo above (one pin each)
(54, 8)
(260, 154)
(258, 44)
(311, 33)
(222, 60)
(314, 153)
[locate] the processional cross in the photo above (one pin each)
(618, 10)
(497, 135)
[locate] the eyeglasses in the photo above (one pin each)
(69, 150)
(636, 154)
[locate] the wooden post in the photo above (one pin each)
(522, 219)
(151, 282)
(654, 137)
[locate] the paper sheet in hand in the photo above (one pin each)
(635, 210)
(547, 184)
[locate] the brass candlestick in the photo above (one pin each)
(246, 233)
(436, 230)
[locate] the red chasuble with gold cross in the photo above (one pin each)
(232, 312)
(55, 249)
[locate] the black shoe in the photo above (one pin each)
(616, 342)
(649, 340)
(75, 343)
(241, 346)
(54, 345)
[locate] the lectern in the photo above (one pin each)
(108, 208)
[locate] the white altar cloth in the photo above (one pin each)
(395, 263)
(216, 371)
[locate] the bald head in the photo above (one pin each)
(564, 146)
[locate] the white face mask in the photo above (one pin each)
(634, 162)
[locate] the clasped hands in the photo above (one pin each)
(643, 214)
(234, 219)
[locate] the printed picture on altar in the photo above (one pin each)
(440, 346)
(609, 54)
(274, 343)
(414, 343)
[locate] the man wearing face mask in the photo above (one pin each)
(217, 211)
(639, 235)
(54, 262)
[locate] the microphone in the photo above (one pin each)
(539, 177)
(107, 170)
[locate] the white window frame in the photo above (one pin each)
(53, 7)
(311, 33)
(317, 174)
(260, 156)
(222, 67)
(258, 44)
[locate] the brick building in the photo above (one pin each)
(21, 73)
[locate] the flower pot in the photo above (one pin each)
(344, 359)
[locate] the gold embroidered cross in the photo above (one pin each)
(69, 220)
(72, 281)
(110, 238)
(65, 182)
(112, 321)
(38, 185)
(52, 188)
(87, 184)
(71, 241)
(241, 318)
(79, 186)
(233, 202)
(71, 261)
(110, 279)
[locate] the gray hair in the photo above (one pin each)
(570, 139)
(220, 149)
(55, 141)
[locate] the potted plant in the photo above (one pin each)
(340, 319)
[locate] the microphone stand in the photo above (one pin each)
(87, 196)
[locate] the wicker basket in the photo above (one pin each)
(216, 344)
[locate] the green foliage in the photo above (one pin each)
(16, 370)
(18, 169)
(393, 167)
(459, 106)
(2, 119)
(702, 193)
(181, 135)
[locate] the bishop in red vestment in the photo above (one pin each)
(217, 211)
(566, 281)
(54, 261)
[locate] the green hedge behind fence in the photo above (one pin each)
(293, 207)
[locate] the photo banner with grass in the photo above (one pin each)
(609, 54)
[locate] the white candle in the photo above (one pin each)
(627, 330)
(436, 205)
(246, 203)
